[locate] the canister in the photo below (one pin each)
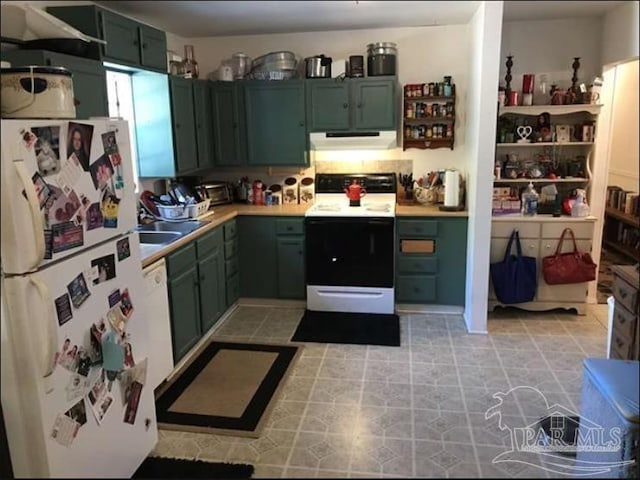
(307, 190)
(276, 194)
(290, 191)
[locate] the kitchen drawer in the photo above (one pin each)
(624, 321)
(182, 259)
(230, 248)
(580, 230)
(209, 242)
(233, 289)
(230, 230)
(417, 228)
(621, 345)
(416, 288)
(232, 266)
(625, 294)
(417, 265)
(525, 229)
(548, 246)
(290, 226)
(422, 246)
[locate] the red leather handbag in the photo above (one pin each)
(570, 267)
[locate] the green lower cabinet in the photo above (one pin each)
(184, 301)
(438, 277)
(233, 289)
(271, 254)
(212, 289)
(291, 281)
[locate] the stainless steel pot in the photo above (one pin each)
(381, 58)
(318, 66)
(241, 65)
(274, 61)
(382, 48)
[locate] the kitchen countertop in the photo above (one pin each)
(223, 213)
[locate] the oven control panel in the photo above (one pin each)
(372, 182)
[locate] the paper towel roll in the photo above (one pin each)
(451, 188)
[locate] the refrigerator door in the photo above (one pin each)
(78, 420)
(66, 186)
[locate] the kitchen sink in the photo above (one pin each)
(172, 227)
(158, 237)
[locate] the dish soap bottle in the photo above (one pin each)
(580, 207)
(529, 201)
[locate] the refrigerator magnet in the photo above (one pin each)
(69, 359)
(78, 290)
(125, 304)
(132, 405)
(43, 190)
(95, 336)
(28, 138)
(66, 236)
(114, 298)
(76, 387)
(128, 356)
(83, 363)
(63, 309)
(69, 175)
(64, 430)
(78, 413)
(106, 268)
(94, 216)
(48, 244)
(101, 172)
(47, 149)
(123, 249)
(109, 206)
(117, 320)
(79, 139)
(112, 353)
(109, 143)
(99, 398)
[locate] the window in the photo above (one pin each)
(120, 96)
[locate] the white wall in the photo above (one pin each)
(620, 34)
(484, 58)
(623, 154)
(424, 54)
(549, 46)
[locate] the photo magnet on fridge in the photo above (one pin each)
(132, 405)
(101, 172)
(64, 430)
(109, 143)
(69, 359)
(48, 244)
(122, 247)
(106, 268)
(28, 138)
(125, 303)
(94, 216)
(79, 139)
(63, 309)
(95, 335)
(47, 149)
(65, 236)
(43, 190)
(78, 290)
(76, 387)
(78, 412)
(69, 175)
(83, 366)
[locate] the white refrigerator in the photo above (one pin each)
(74, 329)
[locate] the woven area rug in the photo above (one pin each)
(157, 467)
(230, 388)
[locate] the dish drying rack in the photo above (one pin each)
(183, 212)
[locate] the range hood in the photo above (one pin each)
(375, 140)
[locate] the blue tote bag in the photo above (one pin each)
(514, 278)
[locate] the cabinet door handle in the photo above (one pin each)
(202, 278)
(302, 124)
(416, 289)
(289, 228)
(136, 43)
(144, 45)
(235, 125)
(547, 246)
(177, 125)
(345, 105)
(299, 252)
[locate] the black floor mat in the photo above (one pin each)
(156, 467)
(355, 328)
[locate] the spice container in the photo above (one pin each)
(447, 90)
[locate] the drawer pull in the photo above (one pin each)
(416, 289)
(289, 228)
(623, 294)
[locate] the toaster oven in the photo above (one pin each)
(218, 192)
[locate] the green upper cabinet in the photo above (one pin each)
(327, 105)
(89, 79)
(121, 35)
(153, 48)
(204, 127)
(375, 106)
(276, 132)
(128, 42)
(351, 104)
(228, 121)
(184, 128)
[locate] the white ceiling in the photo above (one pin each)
(218, 18)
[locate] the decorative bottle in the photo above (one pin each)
(189, 64)
(530, 201)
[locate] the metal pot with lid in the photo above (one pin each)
(318, 66)
(381, 58)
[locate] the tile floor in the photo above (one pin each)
(418, 410)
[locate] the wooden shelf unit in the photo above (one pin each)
(616, 222)
(542, 144)
(627, 218)
(449, 120)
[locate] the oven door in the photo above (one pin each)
(349, 251)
